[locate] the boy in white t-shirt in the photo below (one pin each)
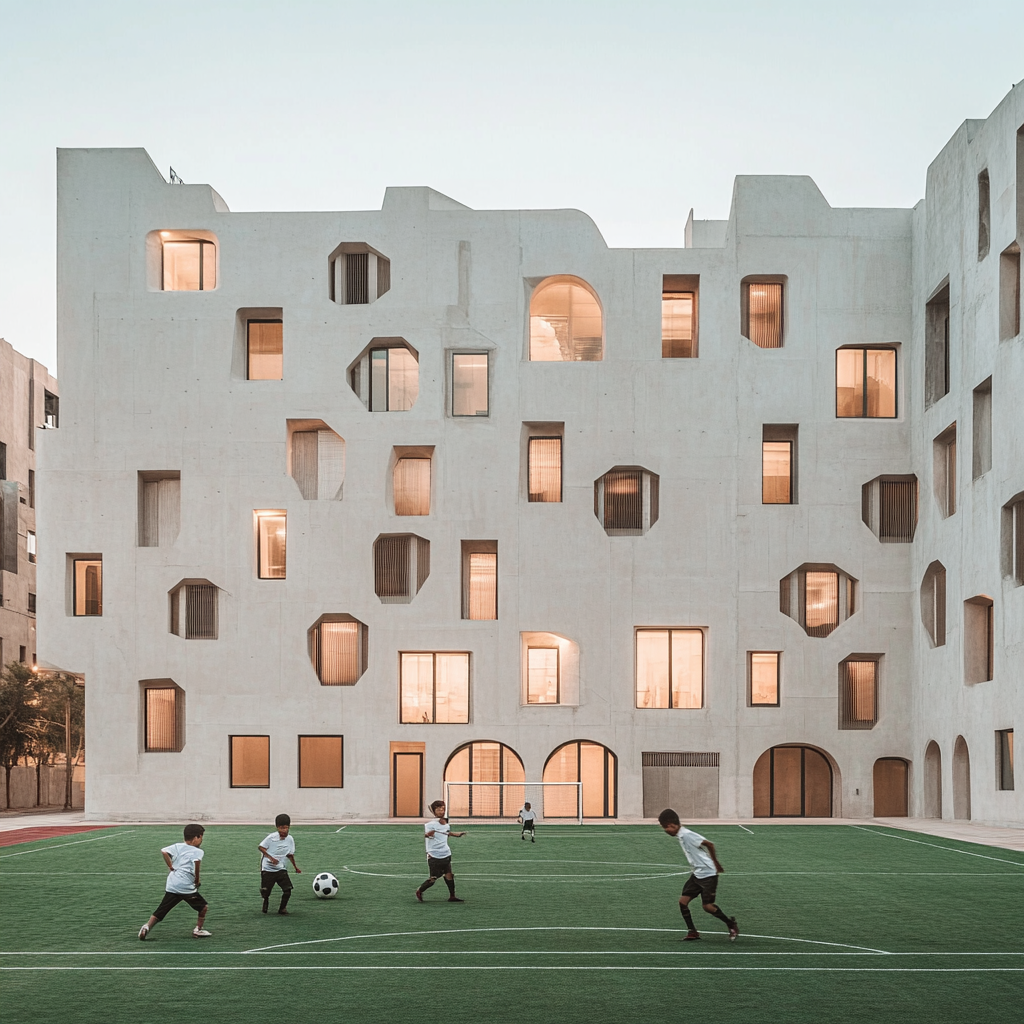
(182, 860)
(273, 870)
(700, 852)
(439, 854)
(528, 816)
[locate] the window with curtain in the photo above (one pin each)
(271, 544)
(88, 586)
(669, 668)
(678, 325)
(435, 687)
(858, 694)
(394, 379)
(776, 472)
(889, 508)
(250, 762)
(163, 710)
(763, 313)
(264, 349)
(189, 265)
(338, 650)
(866, 383)
(469, 384)
(764, 678)
(542, 675)
(479, 579)
(321, 762)
(545, 468)
(318, 463)
(412, 486)
(565, 322)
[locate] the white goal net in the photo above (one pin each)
(559, 801)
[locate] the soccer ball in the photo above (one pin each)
(325, 886)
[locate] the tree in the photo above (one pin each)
(19, 698)
(62, 719)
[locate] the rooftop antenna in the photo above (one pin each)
(176, 178)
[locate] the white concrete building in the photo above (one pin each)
(350, 513)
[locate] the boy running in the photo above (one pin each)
(273, 870)
(182, 860)
(700, 852)
(528, 816)
(439, 854)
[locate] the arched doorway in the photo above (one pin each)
(961, 780)
(590, 763)
(792, 782)
(484, 761)
(932, 781)
(890, 779)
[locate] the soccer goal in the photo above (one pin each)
(551, 800)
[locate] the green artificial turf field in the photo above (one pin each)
(838, 923)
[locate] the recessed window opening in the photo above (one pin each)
(481, 762)
(669, 668)
(30, 545)
(469, 384)
(944, 471)
(763, 669)
(981, 424)
(1009, 292)
(565, 321)
(401, 565)
(194, 610)
(358, 274)
(250, 762)
(979, 639)
(159, 508)
(1013, 540)
(264, 349)
(321, 762)
(31, 603)
(189, 264)
(679, 316)
(386, 376)
(866, 383)
(31, 488)
(1004, 759)
(984, 214)
(163, 711)
(933, 603)
(545, 469)
(271, 543)
(338, 649)
(542, 674)
(411, 483)
(858, 692)
(316, 460)
(584, 761)
(626, 500)
(936, 347)
(819, 597)
(479, 579)
(762, 312)
(778, 464)
(88, 597)
(435, 687)
(51, 410)
(889, 508)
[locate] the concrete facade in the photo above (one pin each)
(154, 383)
(28, 404)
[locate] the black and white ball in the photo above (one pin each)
(325, 886)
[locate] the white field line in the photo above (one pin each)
(57, 846)
(488, 952)
(342, 829)
(948, 849)
(745, 829)
(536, 967)
(525, 877)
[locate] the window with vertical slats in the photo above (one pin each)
(391, 566)
(318, 463)
(338, 650)
(763, 313)
(194, 610)
(545, 469)
(889, 508)
(412, 486)
(164, 717)
(819, 597)
(357, 278)
(479, 579)
(626, 500)
(858, 693)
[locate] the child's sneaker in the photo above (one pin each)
(734, 930)
(266, 904)
(143, 932)
(200, 933)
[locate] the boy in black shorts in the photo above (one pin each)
(700, 852)
(182, 860)
(439, 854)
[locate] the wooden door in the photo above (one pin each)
(890, 786)
(407, 772)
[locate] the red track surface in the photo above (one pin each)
(28, 835)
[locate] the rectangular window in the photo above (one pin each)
(542, 675)
(88, 586)
(31, 604)
(30, 545)
(250, 762)
(31, 488)
(984, 214)
(858, 694)
(545, 469)
(776, 472)
(936, 347)
(1009, 292)
(321, 762)
(762, 313)
(624, 499)
(979, 637)
(469, 384)
(669, 668)
(982, 429)
(821, 603)
(866, 383)
(164, 715)
(3, 461)
(479, 579)
(190, 265)
(435, 688)
(394, 379)
(412, 487)
(1013, 541)
(678, 324)
(194, 611)
(764, 678)
(264, 349)
(271, 544)
(51, 410)
(159, 508)
(1004, 758)
(944, 470)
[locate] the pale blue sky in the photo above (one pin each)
(632, 112)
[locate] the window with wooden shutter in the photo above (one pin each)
(321, 762)
(858, 693)
(163, 710)
(250, 762)
(338, 649)
(194, 610)
(626, 500)
(479, 579)
(762, 312)
(889, 508)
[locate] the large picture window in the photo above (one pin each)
(435, 687)
(866, 383)
(565, 322)
(669, 668)
(189, 264)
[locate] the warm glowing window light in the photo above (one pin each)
(565, 322)
(272, 535)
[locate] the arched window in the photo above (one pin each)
(792, 782)
(480, 762)
(565, 322)
(590, 763)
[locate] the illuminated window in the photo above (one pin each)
(338, 649)
(542, 675)
(412, 486)
(818, 597)
(581, 761)
(250, 762)
(669, 668)
(479, 579)
(30, 545)
(866, 383)
(933, 603)
(979, 639)
(626, 500)
(321, 762)
(483, 762)
(271, 544)
(565, 322)
(189, 264)
(435, 688)
(316, 460)
(776, 472)
(936, 347)
(545, 468)
(401, 565)
(88, 586)
(164, 716)
(762, 313)
(944, 470)
(194, 610)
(264, 349)
(858, 693)
(679, 316)
(469, 384)
(764, 678)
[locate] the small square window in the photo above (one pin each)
(321, 762)
(250, 762)
(865, 383)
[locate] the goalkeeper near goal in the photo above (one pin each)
(528, 816)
